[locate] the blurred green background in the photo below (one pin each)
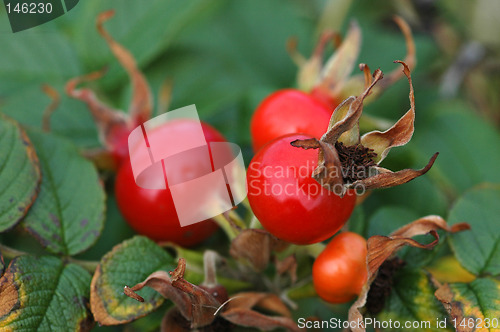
(226, 56)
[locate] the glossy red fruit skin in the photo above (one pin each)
(340, 272)
(152, 212)
(288, 111)
(287, 201)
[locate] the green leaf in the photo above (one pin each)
(28, 61)
(19, 173)
(389, 218)
(29, 58)
(144, 28)
(126, 265)
(243, 50)
(466, 143)
(68, 216)
(476, 303)
(44, 294)
(412, 300)
(478, 249)
(115, 231)
(71, 119)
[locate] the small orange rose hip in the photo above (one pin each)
(339, 272)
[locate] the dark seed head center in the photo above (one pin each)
(356, 161)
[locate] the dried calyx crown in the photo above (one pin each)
(347, 160)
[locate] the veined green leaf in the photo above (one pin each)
(127, 264)
(478, 249)
(44, 294)
(412, 302)
(19, 173)
(474, 306)
(68, 216)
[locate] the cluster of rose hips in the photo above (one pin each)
(286, 199)
(293, 206)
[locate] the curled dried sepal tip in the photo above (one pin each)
(113, 125)
(141, 104)
(54, 104)
(256, 246)
(348, 161)
(179, 270)
(130, 293)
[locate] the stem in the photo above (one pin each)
(246, 204)
(237, 219)
(10, 253)
(314, 249)
(209, 259)
(226, 226)
(90, 266)
(255, 223)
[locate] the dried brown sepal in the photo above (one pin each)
(203, 304)
(249, 300)
(194, 303)
(173, 321)
(410, 58)
(251, 318)
(130, 293)
(239, 311)
(328, 173)
(386, 178)
(161, 282)
(288, 265)
(381, 248)
(179, 271)
(341, 63)
(352, 135)
(354, 84)
(107, 119)
(310, 143)
(344, 121)
(367, 74)
(351, 119)
(141, 104)
(201, 309)
(54, 104)
(328, 161)
(309, 69)
(399, 134)
(113, 125)
(256, 246)
(347, 162)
